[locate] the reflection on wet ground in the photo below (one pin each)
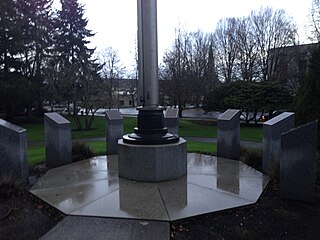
(93, 188)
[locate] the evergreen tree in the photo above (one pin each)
(308, 100)
(11, 45)
(73, 59)
(37, 39)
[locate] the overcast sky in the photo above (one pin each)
(115, 21)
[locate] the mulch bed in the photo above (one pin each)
(270, 218)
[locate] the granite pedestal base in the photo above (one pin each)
(152, 163)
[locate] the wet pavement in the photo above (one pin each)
(93, 188)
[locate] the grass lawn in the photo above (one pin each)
(191, 129)
(36, 154)
(35, 132)
(188, 128)
(202, 147)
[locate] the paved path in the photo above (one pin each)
(84, 228)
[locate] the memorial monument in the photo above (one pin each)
(150, 153)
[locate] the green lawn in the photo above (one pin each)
(35, 132)
(36, 154)
(202, 147)
(99, 148)
(188, 128)
(191, 129)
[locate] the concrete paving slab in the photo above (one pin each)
(84, 228)
(91, 188)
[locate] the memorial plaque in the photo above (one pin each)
(114, 130)
(228, 134)
(171, 120)
(298, 163)
(58, 140)
(271, 144)
(13, 152)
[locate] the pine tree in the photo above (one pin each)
(308, 100)
(11, 45)
(37, 39)
(73, 59)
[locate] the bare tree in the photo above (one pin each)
(225, 39)
(272, 30)
(188, 69)
(112, 71)
(247, 59)
(202, 65)
(315, 20)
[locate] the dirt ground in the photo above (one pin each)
(270, 218)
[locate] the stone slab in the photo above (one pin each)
(58, 140)
(112, 115)
(228, 134)
(84, 228)
(171, 120)
(271, 143)
(92, 188)
(298, 163)
(152, 163)
(171, 113)
(13, 152)
(229, 114)
(114, 130)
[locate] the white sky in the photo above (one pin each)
(115, 21)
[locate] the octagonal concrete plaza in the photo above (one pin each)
(92, 188)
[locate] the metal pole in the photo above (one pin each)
(148, 52)
(150, 128)
(140, 100)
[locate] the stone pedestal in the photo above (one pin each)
(58, 140)
(171, 120)
(271, 143)
(298, 163)
(152, 163)
(114, 130)
(13, 152)
(228, 134)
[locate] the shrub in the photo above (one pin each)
(251, 157)
(9, 185)
(81, 151)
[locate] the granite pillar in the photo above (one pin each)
(298, 163)
(58, 140)
(13, 152)
(171, 120)
(114, 130)
(271, 143)
(228, 134)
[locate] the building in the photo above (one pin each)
(289, 65)
(124, 92)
